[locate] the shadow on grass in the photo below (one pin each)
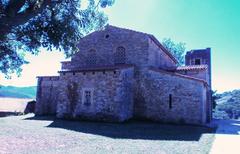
(131, 129)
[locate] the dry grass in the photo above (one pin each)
(28, 134)
(13, 104)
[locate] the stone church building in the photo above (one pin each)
(119, 74)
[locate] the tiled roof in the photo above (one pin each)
(179, 75)
(191, 67)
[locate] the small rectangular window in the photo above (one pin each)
(87, 97)
(170, 101)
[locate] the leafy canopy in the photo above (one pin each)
(229, 104)
(178, 50)
(27, 25)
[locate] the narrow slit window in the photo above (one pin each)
(170, 101)
(87, 98)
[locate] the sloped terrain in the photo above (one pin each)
(228, 105)
(17, 92)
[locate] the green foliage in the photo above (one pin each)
(230, 108)
(178, 50)
(215, 96)
(59, 26)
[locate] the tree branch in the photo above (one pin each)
(8, 22)
(13, 7)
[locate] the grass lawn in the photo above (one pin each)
(13, 104)
(27, 134)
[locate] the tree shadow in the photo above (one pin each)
(132, 129)
(145, 129)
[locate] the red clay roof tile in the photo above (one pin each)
(192, 67)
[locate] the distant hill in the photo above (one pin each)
(18, 92)
(228, 105)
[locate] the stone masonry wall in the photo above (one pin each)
(200, 74)
(158, 58)
(188, 98)
(47, 95)
(99, 48)
(112, 95)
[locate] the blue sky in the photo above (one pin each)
(198, 23)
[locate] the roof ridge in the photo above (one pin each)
(156, 41)
(151, 36)
(132, 30)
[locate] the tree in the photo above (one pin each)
(215, 97)
(228, 104)
(27, 25)
(178, 50)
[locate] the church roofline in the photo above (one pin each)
(199, 50)
(152, 37)
(47, 76)
(100, 68)
(155, 40)
(65, 61)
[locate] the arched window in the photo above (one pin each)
(120, 56)
(91, 59)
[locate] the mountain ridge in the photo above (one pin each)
(18, 92)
